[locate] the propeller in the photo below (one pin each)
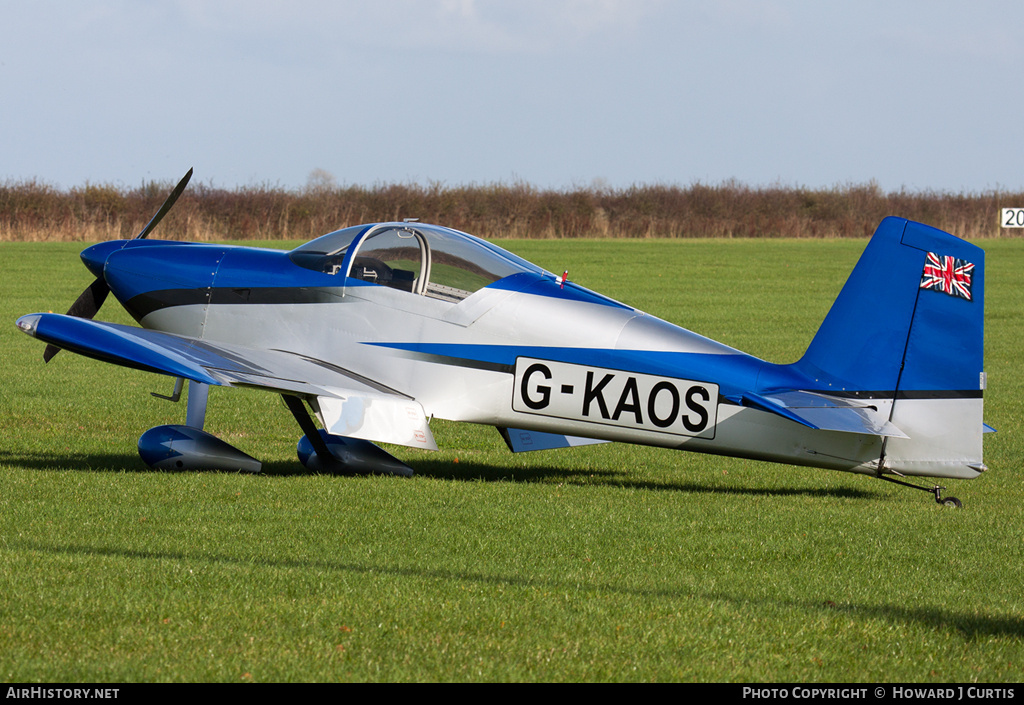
(92, 298)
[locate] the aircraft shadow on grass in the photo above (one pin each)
(442, 470)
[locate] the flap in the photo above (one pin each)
(384, 418)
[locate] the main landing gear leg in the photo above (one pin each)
(298, 410)
(935, 490)
(320, 451)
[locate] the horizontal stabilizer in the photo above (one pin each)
(825, 412)
(520, 441)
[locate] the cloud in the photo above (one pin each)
(474, 26)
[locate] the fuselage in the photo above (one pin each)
(525, 350)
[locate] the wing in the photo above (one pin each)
(349, 404)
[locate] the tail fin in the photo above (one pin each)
(908, 327)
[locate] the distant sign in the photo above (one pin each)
(1012, 218)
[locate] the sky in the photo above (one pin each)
(922, 96)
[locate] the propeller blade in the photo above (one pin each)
(165, 207)
(49, 352)
(88, 304)
(91, 299)
(85, 306)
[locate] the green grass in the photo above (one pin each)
(605, 563)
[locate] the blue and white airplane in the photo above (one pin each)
(377, 329)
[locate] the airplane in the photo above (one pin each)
(379, 328)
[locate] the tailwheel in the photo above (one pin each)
(935, 490)
(946, 501)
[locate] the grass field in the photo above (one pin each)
(606, 563)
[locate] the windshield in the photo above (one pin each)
(326, 253)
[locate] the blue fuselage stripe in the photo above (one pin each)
(734, 373)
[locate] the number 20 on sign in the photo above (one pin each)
(1012, 218)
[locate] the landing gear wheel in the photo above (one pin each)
(951, 502)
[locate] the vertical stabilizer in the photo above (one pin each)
(908, 327)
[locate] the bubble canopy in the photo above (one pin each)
(427, 260)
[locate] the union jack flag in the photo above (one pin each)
(947, 274)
